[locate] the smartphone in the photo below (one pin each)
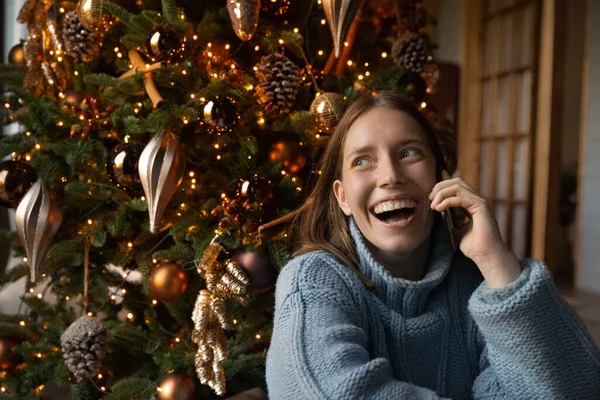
(448, 218)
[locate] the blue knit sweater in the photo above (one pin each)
(447, 335)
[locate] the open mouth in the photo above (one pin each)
(395, 211)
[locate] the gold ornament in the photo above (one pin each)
(17, 55)
(328, 108)
(176, 387)
(168, 282)
(44, 75)
(38, 217)
(90, 14)
(244, 17)
(161, 167)
(339, 15)
(224, 281)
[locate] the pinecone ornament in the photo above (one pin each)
(411, 52)
(83, 347)
(81, 44)
(279, 83)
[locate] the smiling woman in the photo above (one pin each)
(377, 304)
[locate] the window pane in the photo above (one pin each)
(503, 107)
(523, 102)
(501, 191)
(491, 6)
(521, 169)
(527, 37)
(488, 58)
(486, 109)
(484, 171)
(507, 41)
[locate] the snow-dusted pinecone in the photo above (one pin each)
(81, 44)
(411, 52)
(83, 347)
(279, 83)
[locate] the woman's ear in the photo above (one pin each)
(340, 195)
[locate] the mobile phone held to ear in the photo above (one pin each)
(449, 224)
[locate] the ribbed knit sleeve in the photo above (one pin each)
(535, 345)
(319, 348)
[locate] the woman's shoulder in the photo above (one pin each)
(315, 270)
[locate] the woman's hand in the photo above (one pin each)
(480, 240)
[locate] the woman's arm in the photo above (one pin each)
(535, 345)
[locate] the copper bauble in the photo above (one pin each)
(290, 154)
(123, 165)
(259, 269)
(176, 387)
(218, 114)
(255, 188)
(74, 98)
(168, 282)
(8, 359)
(165, 45)
(16, 55)
(15, 180)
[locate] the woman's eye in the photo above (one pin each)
(360, 162)
(410, 152)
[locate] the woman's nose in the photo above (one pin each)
(390, 174)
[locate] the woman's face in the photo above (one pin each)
(388, 172)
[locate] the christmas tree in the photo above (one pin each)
(162, 148)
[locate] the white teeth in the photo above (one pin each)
(394, 205)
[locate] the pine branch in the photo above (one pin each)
(68, 252)
(132, 389)
(131, 86)
(279, 255)
(11, 74)
(82, 391)
(121, 13)
(19, 143)
(171, 15)
(77, 152)
(134, 40)
(7, 236)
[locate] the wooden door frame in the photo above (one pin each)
(545, 140)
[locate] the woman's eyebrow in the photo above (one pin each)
(367, 149)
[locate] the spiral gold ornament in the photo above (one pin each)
(90, 13)
(161, 168)
(328, 108)
(38, 217)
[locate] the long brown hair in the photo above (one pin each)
(321, 224)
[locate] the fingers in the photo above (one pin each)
(467, 202)
(448, 183)
(454, 189)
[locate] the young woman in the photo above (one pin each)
(376, 304)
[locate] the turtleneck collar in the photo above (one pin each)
(407, 297)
